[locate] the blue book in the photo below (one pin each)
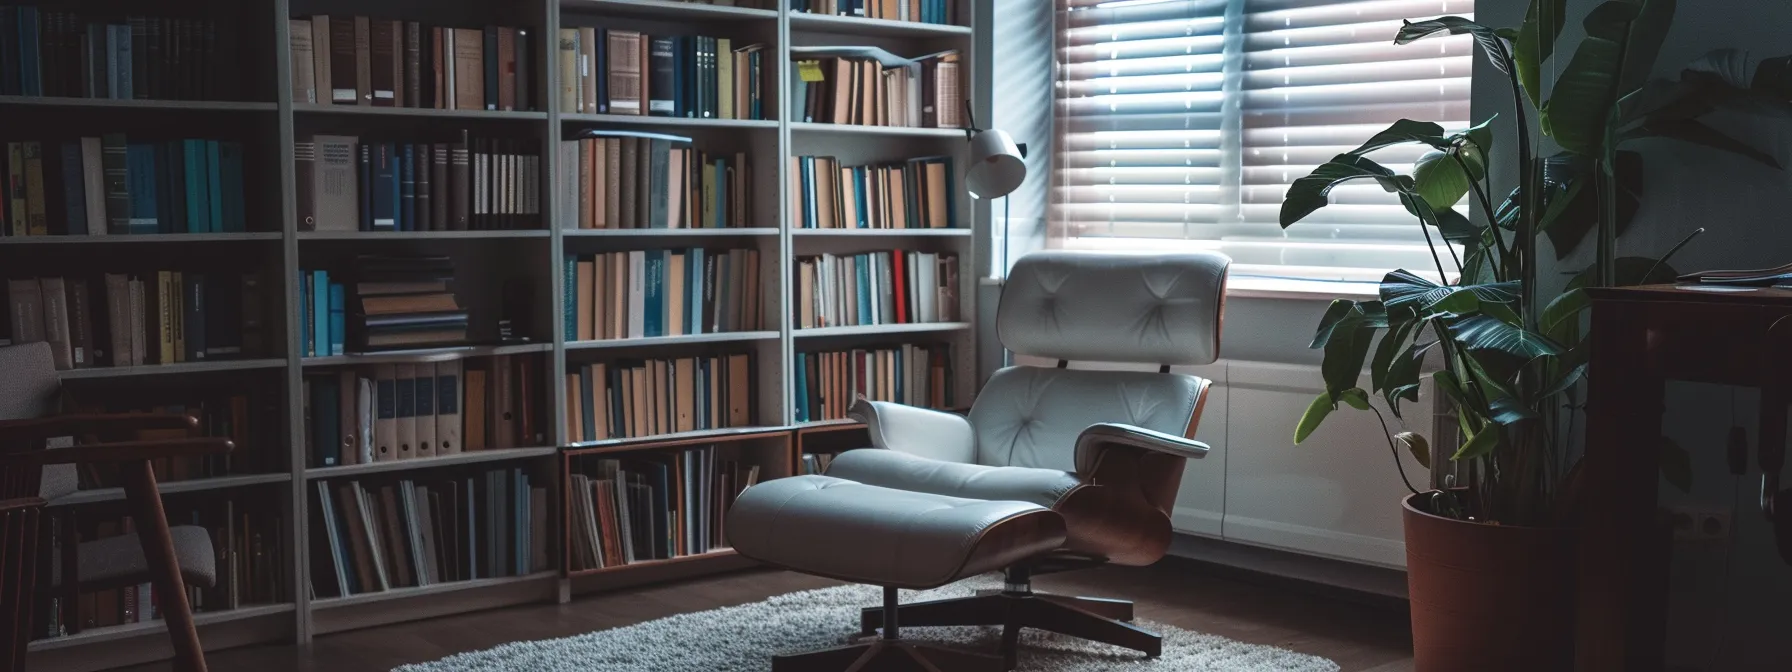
(860, 176)
(383, 175)
(588, 400)
(141, 163)
(810, 218)
(569, 309)
(194, 189)
(395, 184)
(235, 219)
(601, 64)
(617, 424)
(214, 189)
(31, 75)
(721, 191)
(802, 388)
(753, 77)
(121, 67)
(408, 190)
(520, 520)
(320, 313)
(306, 347)
(862, 268)
(74, 197)
(338, 318)
(951, 207)
(693, 291)
(364, 171)
(653, 305)
(681, 76)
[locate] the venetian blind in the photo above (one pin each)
(1181, 124)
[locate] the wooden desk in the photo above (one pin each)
(1643, 337)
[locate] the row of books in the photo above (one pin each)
(247, 534)
(248, 417)
(828, 382)
(427, 531)
(630, 399)
(344, 184)
(358, 60)
(604, 71)
(394, 303)
(56, 53)
(107, 185)
(653, 506)
(894, 287)
(628, 180)
(923, 11)
(649, 293)
(817, 463)
(387, 412)
(872, 87)
(913, 194)
(161, 317)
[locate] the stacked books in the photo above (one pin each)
(817, 463)
(160, 317)
(345, 184)
(55, 53)
(828, 382)
(653, 506)
(924, 11)
(649, 293)
(914, 194)
(894, 287)
(392, 412)
(605, 71)
(627, 180)
(427, 531)
(106, 185)
(404, 302)
(629, 399)
(357, 60)
(249, 418)
(870, 86)
(246, 533)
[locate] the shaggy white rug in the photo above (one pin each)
(743, 638)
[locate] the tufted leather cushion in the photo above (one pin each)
(1030, 416)
(845, 530)
(1114, 307)
(898, 469)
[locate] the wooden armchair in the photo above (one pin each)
(38, 465)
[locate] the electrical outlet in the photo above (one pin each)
(1700, 525)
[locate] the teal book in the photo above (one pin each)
(214, 192)
(306, 347)
(192, 170)
(320, 313)
(569, 308)
(801, 381)
(860, 175)
(693, 291)
(862, 268)
(338, 318)
(653, 304)
(140, 159)
(810, 220)
(235, 219)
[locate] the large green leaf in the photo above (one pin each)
(1439, 179)
(1311, 192)
(1355, 398)
(1417, 446)
(1482, 443)
(1487, 334)
(1536, 42)
(1647, 33)
(1403, 289)
(1405, 131)
(1403, 375)
(1676, 465)
(1577, 114)
(1334, 314)
(1392, 343)
(1571, 198)
(1309, 421)
(1345, 352)
(1492, 44)
(1699, 133)
(1561, 318)
(1509, 411)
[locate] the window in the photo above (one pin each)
(1181, 123)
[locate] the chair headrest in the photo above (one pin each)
(1115, 307)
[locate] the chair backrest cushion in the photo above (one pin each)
(28, 384)
(1115, 307)
(1029, 416)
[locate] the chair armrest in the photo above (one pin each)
(916, 431)
(8, 505)
(124, 451)
(78, 424)
(1099, 437)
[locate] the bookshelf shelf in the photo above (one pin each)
(657, 341)
(819, 129)
(681, 122)
(142, 238)
(666, 9)
(157, 628)
(172, 369)
(881, 329)
(138, 104)
(469, 457)
(644, 564)
(676, 438)
(421, 112)
(881, 233)
(173, 487)
(428, 355)
(331, 603)
(424, 235)
(667, 233)
(853, 25)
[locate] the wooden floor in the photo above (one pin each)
(1360, 636)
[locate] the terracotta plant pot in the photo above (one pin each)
(1488, 597)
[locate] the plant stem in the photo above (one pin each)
(1395, 450)
(1443, 278)
(1492, 221)
(1527, 180)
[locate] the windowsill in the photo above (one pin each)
(1258, 287)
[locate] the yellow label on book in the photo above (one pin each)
(810, 71)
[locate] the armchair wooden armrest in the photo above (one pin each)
(123, 451)
(20, 503)
(1100, 437)
(84, 424)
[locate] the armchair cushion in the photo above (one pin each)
(1030, 416)
(119, 559)
(903, 471)
(916, 431)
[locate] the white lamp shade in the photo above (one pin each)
(997, 168)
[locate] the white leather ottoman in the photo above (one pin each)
(892, 538)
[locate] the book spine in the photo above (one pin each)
(363, 60)
(382, 35)
(490, 57)
(304, 158)
(663, 80)
(37, 221)
(413, 64)
(407, 214)
(74, 195)
(116, 162)
(193, 316)
(338, 318)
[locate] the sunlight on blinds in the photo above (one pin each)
(1181, 124)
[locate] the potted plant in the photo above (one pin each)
(1490, 558)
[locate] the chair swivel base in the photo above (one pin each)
(889, 653)
(1017, 607)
